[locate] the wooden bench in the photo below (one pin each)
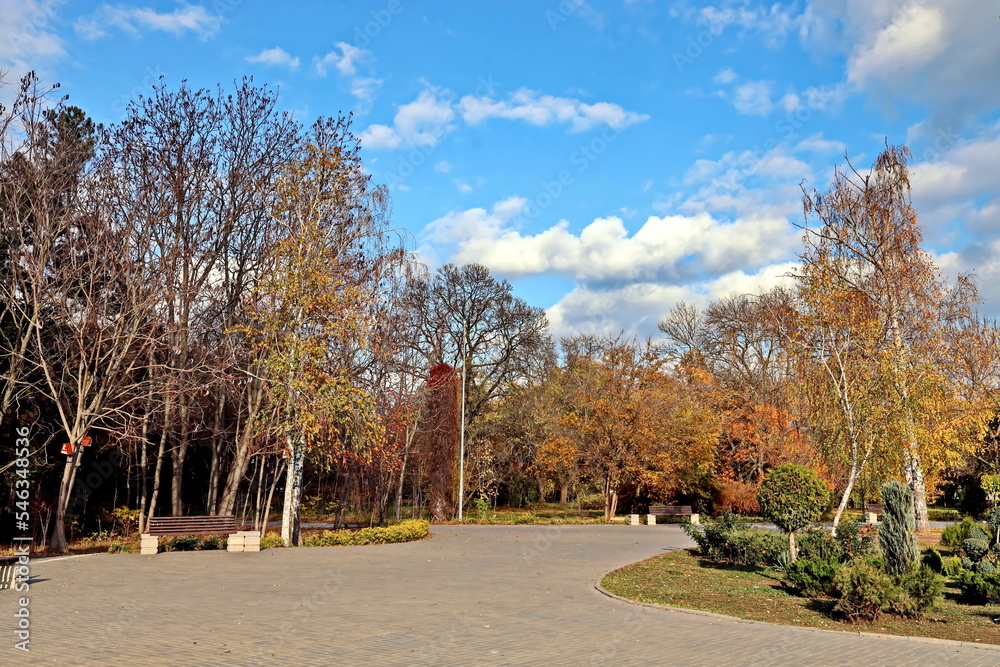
(872, 510)
(199, 525)
(670, 510)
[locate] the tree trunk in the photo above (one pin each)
(792, 550)
(177, 456)
(156, 479)
(213, 474)
(58, 542)
(291, 531)
(564, 493)
(238, 469)
(915, 480)
(262, 527)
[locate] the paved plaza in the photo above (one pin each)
(469, 595)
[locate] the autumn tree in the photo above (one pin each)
(440, 439)
(867, 244)
(311, 311)
(630, 421)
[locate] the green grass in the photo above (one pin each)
(681, 579)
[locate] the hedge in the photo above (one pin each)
(405, 531)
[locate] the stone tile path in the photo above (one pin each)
(518, 595)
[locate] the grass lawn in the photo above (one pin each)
(681, 579)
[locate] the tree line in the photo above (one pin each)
(206, 309)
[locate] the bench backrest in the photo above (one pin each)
(874, 508)
(192, 525)
(670, 510)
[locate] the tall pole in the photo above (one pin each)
(461, 436)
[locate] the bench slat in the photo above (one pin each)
(874, 508)
(670, 510)
(192, 525)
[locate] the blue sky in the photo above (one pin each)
(610, 159)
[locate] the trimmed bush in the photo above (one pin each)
(895, 532)
(792, 496)
(933, 560)
(865, 592)
(406, 531)
(984, 567)
(980, 587)
(818, 544)
(211, 543)
(993, 521)
(934, 514)
(181, 544)
(952, 567)
(813, 576)
(976, 548)
(732, 539)
(271, 541)
(977, 532)
(954, 535)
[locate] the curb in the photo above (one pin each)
(746, 621)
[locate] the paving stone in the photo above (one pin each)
(469, 595)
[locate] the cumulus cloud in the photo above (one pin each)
(935, 53)
(344, 59)
(422, 122)
(639, 306)
(530, 107)
(28, 37)
(433, 114)
(276, 57)
(669, 249)
(914, 38)
(186, 18)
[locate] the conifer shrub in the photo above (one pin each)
(921, 590)
(955, 534)
(864, 591)
(813, 576)
(895, 531)
(975, 548)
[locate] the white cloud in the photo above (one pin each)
(186, 18)
(28, 37)
(463, 187)
(753, 98)
(725, 77)
(671, 248)
(639, 307)
(914, 38)
(419, 123)
(535, 109)
(276, 57)
(433, 114)
(442, 166)
(939, 54)
(345, 61)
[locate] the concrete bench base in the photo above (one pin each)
(238, 542)
(872, 518)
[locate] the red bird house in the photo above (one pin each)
(67, 448)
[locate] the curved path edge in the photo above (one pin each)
(801, 628)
